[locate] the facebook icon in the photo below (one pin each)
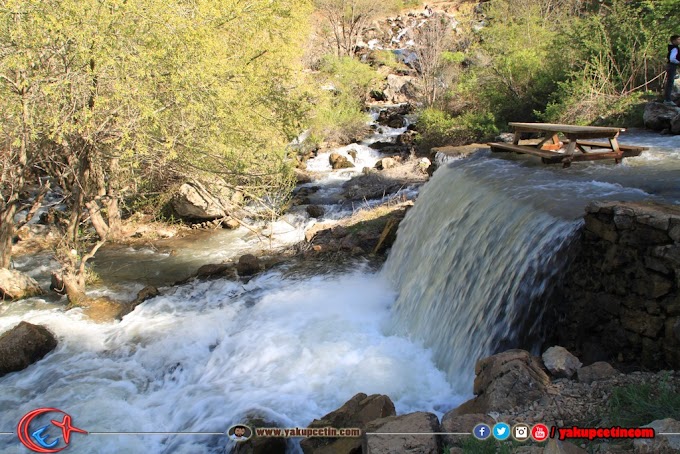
(481, 431)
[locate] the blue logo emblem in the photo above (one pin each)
(501, 431)
(481, 431)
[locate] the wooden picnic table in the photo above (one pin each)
(558, 143)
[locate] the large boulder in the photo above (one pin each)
(560, 362)
(417, 423)
(357, 412)
(16, 285)
(23, 345)
(675, 125)
(506, 380)
(658, 116)
(595, 372)
(660, 444)
(452, 423)
(386, 163)
(315, 211)
(194, 201)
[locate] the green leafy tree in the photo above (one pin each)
(97, 91)
(520, 64)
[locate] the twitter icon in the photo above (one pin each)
(501, 431)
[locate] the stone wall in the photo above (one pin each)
(621, 301)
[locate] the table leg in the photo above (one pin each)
(615, 148)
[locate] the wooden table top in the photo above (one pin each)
(569, 129)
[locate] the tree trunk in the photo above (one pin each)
(97, 219)
(74, 287)
(115, 223)
(6, 235)
(112, 207)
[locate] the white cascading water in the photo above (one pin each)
(204, 355)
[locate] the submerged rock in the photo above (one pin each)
(315, 211)
(248, 265)
(338, 161)
(16, 285)
(261, 445)
(23, 345)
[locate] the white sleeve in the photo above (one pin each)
(673, 57)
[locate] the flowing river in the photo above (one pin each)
(472, 261)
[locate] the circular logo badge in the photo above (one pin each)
(520, 432)
(481, 431)
(501, 431)
(240, 433)
(539, 432)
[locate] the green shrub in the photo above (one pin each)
(409, 4)
(338, 114)
(453, 57)
(615, 51)
(382, 57)
(637, 405)
(337, 118)
(349, 76)
(438, 128)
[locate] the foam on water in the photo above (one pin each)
(205, 355)
(366, 157)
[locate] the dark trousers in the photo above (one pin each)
(670, 81)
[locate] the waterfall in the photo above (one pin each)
(472, 261)
(476, 258)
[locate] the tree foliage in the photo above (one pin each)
(96, 93)
(619, 51)
(565, 60)
(338, 115)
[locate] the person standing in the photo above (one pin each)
(671, 68)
